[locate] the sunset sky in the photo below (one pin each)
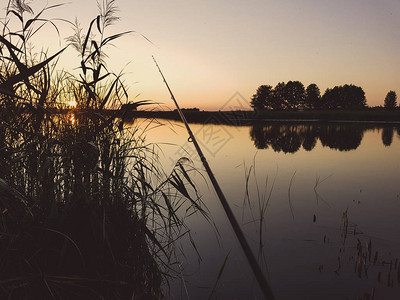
(211, 50)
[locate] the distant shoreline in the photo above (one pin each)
(371, 115)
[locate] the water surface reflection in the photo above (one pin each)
(326, 209)
(289, 138)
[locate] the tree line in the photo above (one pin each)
(294, 96)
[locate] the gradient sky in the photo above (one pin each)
(210, 50)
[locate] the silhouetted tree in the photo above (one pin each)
(294, 95)
(313, 96)
(330, 98)
(279, 96)
(387, 136)
(353, 97)
(262, 97)
(390, 100)
(347, 96)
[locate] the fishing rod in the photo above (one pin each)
(264, 286)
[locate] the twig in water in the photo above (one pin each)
(290, 201)
(221, 270)
(317, 183)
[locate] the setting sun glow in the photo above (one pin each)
(71, 103)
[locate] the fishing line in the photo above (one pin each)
(264, 286)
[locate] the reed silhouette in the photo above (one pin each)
(86, 212)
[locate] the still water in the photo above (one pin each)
(319, 205)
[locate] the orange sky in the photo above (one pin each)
(211, 50)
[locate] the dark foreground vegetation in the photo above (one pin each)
(85, 213)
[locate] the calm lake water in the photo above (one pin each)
(328, 197)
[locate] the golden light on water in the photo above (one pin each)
(71, 118)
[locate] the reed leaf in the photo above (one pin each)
(9, 45)
(11, 11)
(26, 72)
(98, 23)
(87, 37)
(113, 37)
(18, 35)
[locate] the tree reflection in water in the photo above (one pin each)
(387, 136)
(289, 138)
(342, 138)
